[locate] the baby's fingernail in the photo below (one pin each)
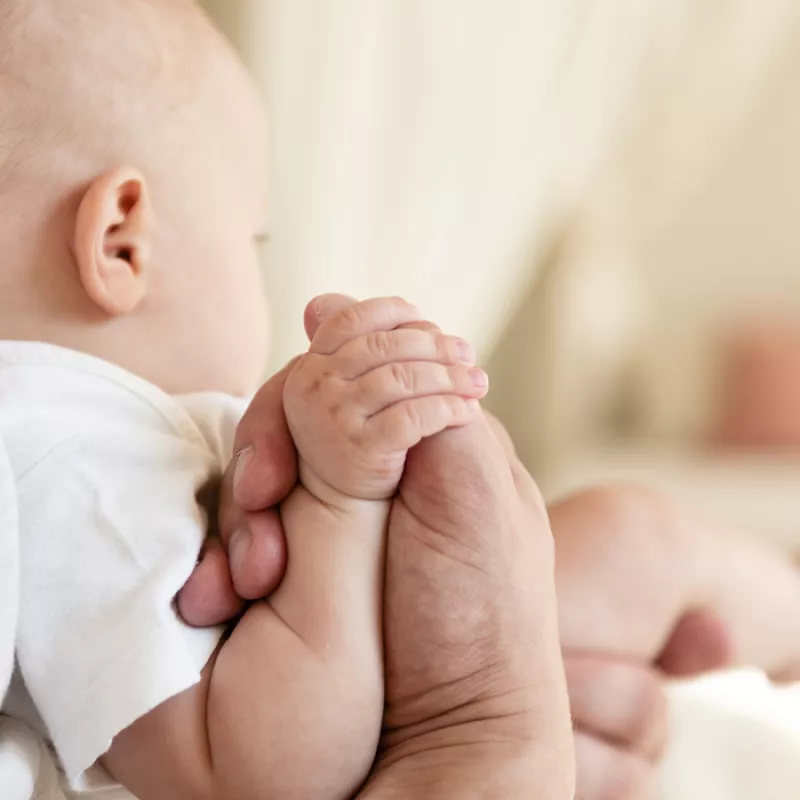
(243, 459)
(239, 549)
(480, 380)
(465, 352)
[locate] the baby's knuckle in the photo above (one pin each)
(336, 410)
(308, 370)
(354, 434)
(379, 345)
(449, 406)
(313, 385)
(411, 418)
(457, 375)
(446, 347)
(402, 377)
(351, 316)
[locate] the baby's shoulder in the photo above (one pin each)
(58, 404)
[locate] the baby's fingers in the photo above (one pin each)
(406, 424)
(380, 348)
(385, 386)
(352, 322)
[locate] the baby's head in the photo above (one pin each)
(131, 190)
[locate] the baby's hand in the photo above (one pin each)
(376, 381)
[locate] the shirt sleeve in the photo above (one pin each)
(109, 532)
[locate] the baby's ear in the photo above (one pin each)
(112, 240)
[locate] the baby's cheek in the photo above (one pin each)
(248, 308)
(254, 339)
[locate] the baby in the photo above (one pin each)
(131, 320)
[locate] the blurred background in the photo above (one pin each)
(604, 198)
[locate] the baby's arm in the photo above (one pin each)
(367, 391)
(292, 705)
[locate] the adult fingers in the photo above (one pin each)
(606, 772)
(208, 598)
(257, 553)
(620, 702)
(261, 475)
(264, 470)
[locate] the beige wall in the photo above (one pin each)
(692, 223)
(640, 151)
(732, 252)
(433, 149)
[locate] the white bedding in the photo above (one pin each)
(735, 737)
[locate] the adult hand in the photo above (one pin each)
(476, 700)
(475, 686)
(647, 592)
(248, 559)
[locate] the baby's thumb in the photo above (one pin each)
(322, 307)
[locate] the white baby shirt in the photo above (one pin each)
(8, 570)
(106, 468)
